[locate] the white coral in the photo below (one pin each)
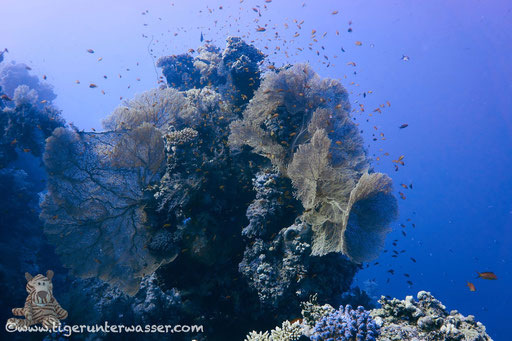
(287, 332)
(258, 336)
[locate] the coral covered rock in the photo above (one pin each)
(425, 319)
(242, 192)
(300, 122)
(13, 75)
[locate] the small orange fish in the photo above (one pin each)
(77, 82)
(299, 320)
(471, 286)
(44, 101)
(487, 275)
(260, 29)
(92, 85)
(334, 12)
(44, 77)
(90, 50)
(358, 43)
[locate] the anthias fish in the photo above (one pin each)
(487, 275)
(471, 286)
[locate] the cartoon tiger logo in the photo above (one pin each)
(40, 306)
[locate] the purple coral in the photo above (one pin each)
(346, 325)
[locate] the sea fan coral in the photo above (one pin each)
(158, 107)
(300, 122)
(94, 209)
(346, 324)
(361, 229)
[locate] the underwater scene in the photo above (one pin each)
(256, 170)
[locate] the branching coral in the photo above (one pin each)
(286, 332)
(346, 324)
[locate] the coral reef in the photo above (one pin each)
(228, 188)
(25, 123)
(234, 72)
(425, 319)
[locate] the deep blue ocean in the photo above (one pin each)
(429, 83)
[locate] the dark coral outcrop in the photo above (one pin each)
(240, 192)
